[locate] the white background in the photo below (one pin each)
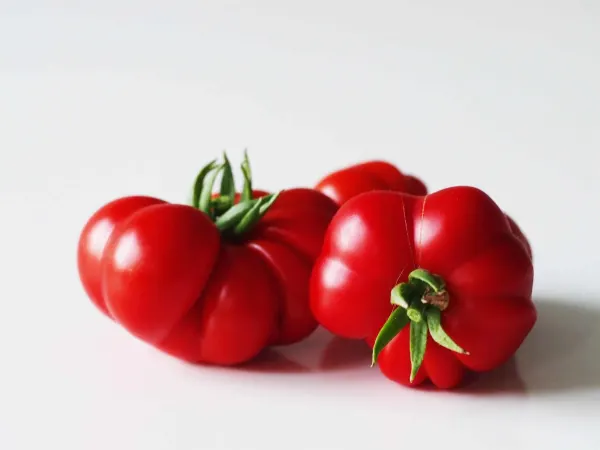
(132, 97)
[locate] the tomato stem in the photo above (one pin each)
(420, 302)
(227, 193)
(247, 172)
(221, 204)
(234, 215)
(206, 194)
(199, 182)
(230, 217)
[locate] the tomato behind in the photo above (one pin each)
(345, 184)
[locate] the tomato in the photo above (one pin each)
(349, 182)
(212, 282)
(93, 239)
(438, 285)
(519, 234)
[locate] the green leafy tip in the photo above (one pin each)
(207, 189)
(270, 199)
(247, 172)
(236, 218)
(250, 218)
(199, 182)
(400, 293)
(395, 323)
(437, 332)
(227, 191)
(418, 345)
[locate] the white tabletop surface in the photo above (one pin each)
(128, 97)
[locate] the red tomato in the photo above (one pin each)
(346, 183)
(480, 264)
(168, 275)
(519, 234)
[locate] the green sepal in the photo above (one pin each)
(396, 322)
(227, 191)
(418, 345)
(199, 182)
(250, 218)
(220, 204)
(437, 332)
(433, 281)
(234, 215)
(247, 172)
(268, 203)
(207, 190)
(402, 294)
(259, 209)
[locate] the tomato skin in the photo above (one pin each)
(227, 325)
(289, 237)
(459, 233)
(298, 219)
(94, 237)
(164, 273)
(414, 185)
(160, 252)
(520, 235)
(344, 184)
(295, 320)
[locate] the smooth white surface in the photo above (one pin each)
(132, 97)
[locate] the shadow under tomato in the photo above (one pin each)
(560, 354)
(504, 380)
(320, 352)
(557, 356)
(345, 354)
(273, 361)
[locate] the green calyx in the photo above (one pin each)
(419, 302)
(229, 217)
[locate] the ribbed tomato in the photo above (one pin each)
(437, 284)
(213, 282)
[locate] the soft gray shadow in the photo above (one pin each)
(345, 354)
(561, 352)
(320, 352)
(558, 356)
(273, 361)
(504, 380)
